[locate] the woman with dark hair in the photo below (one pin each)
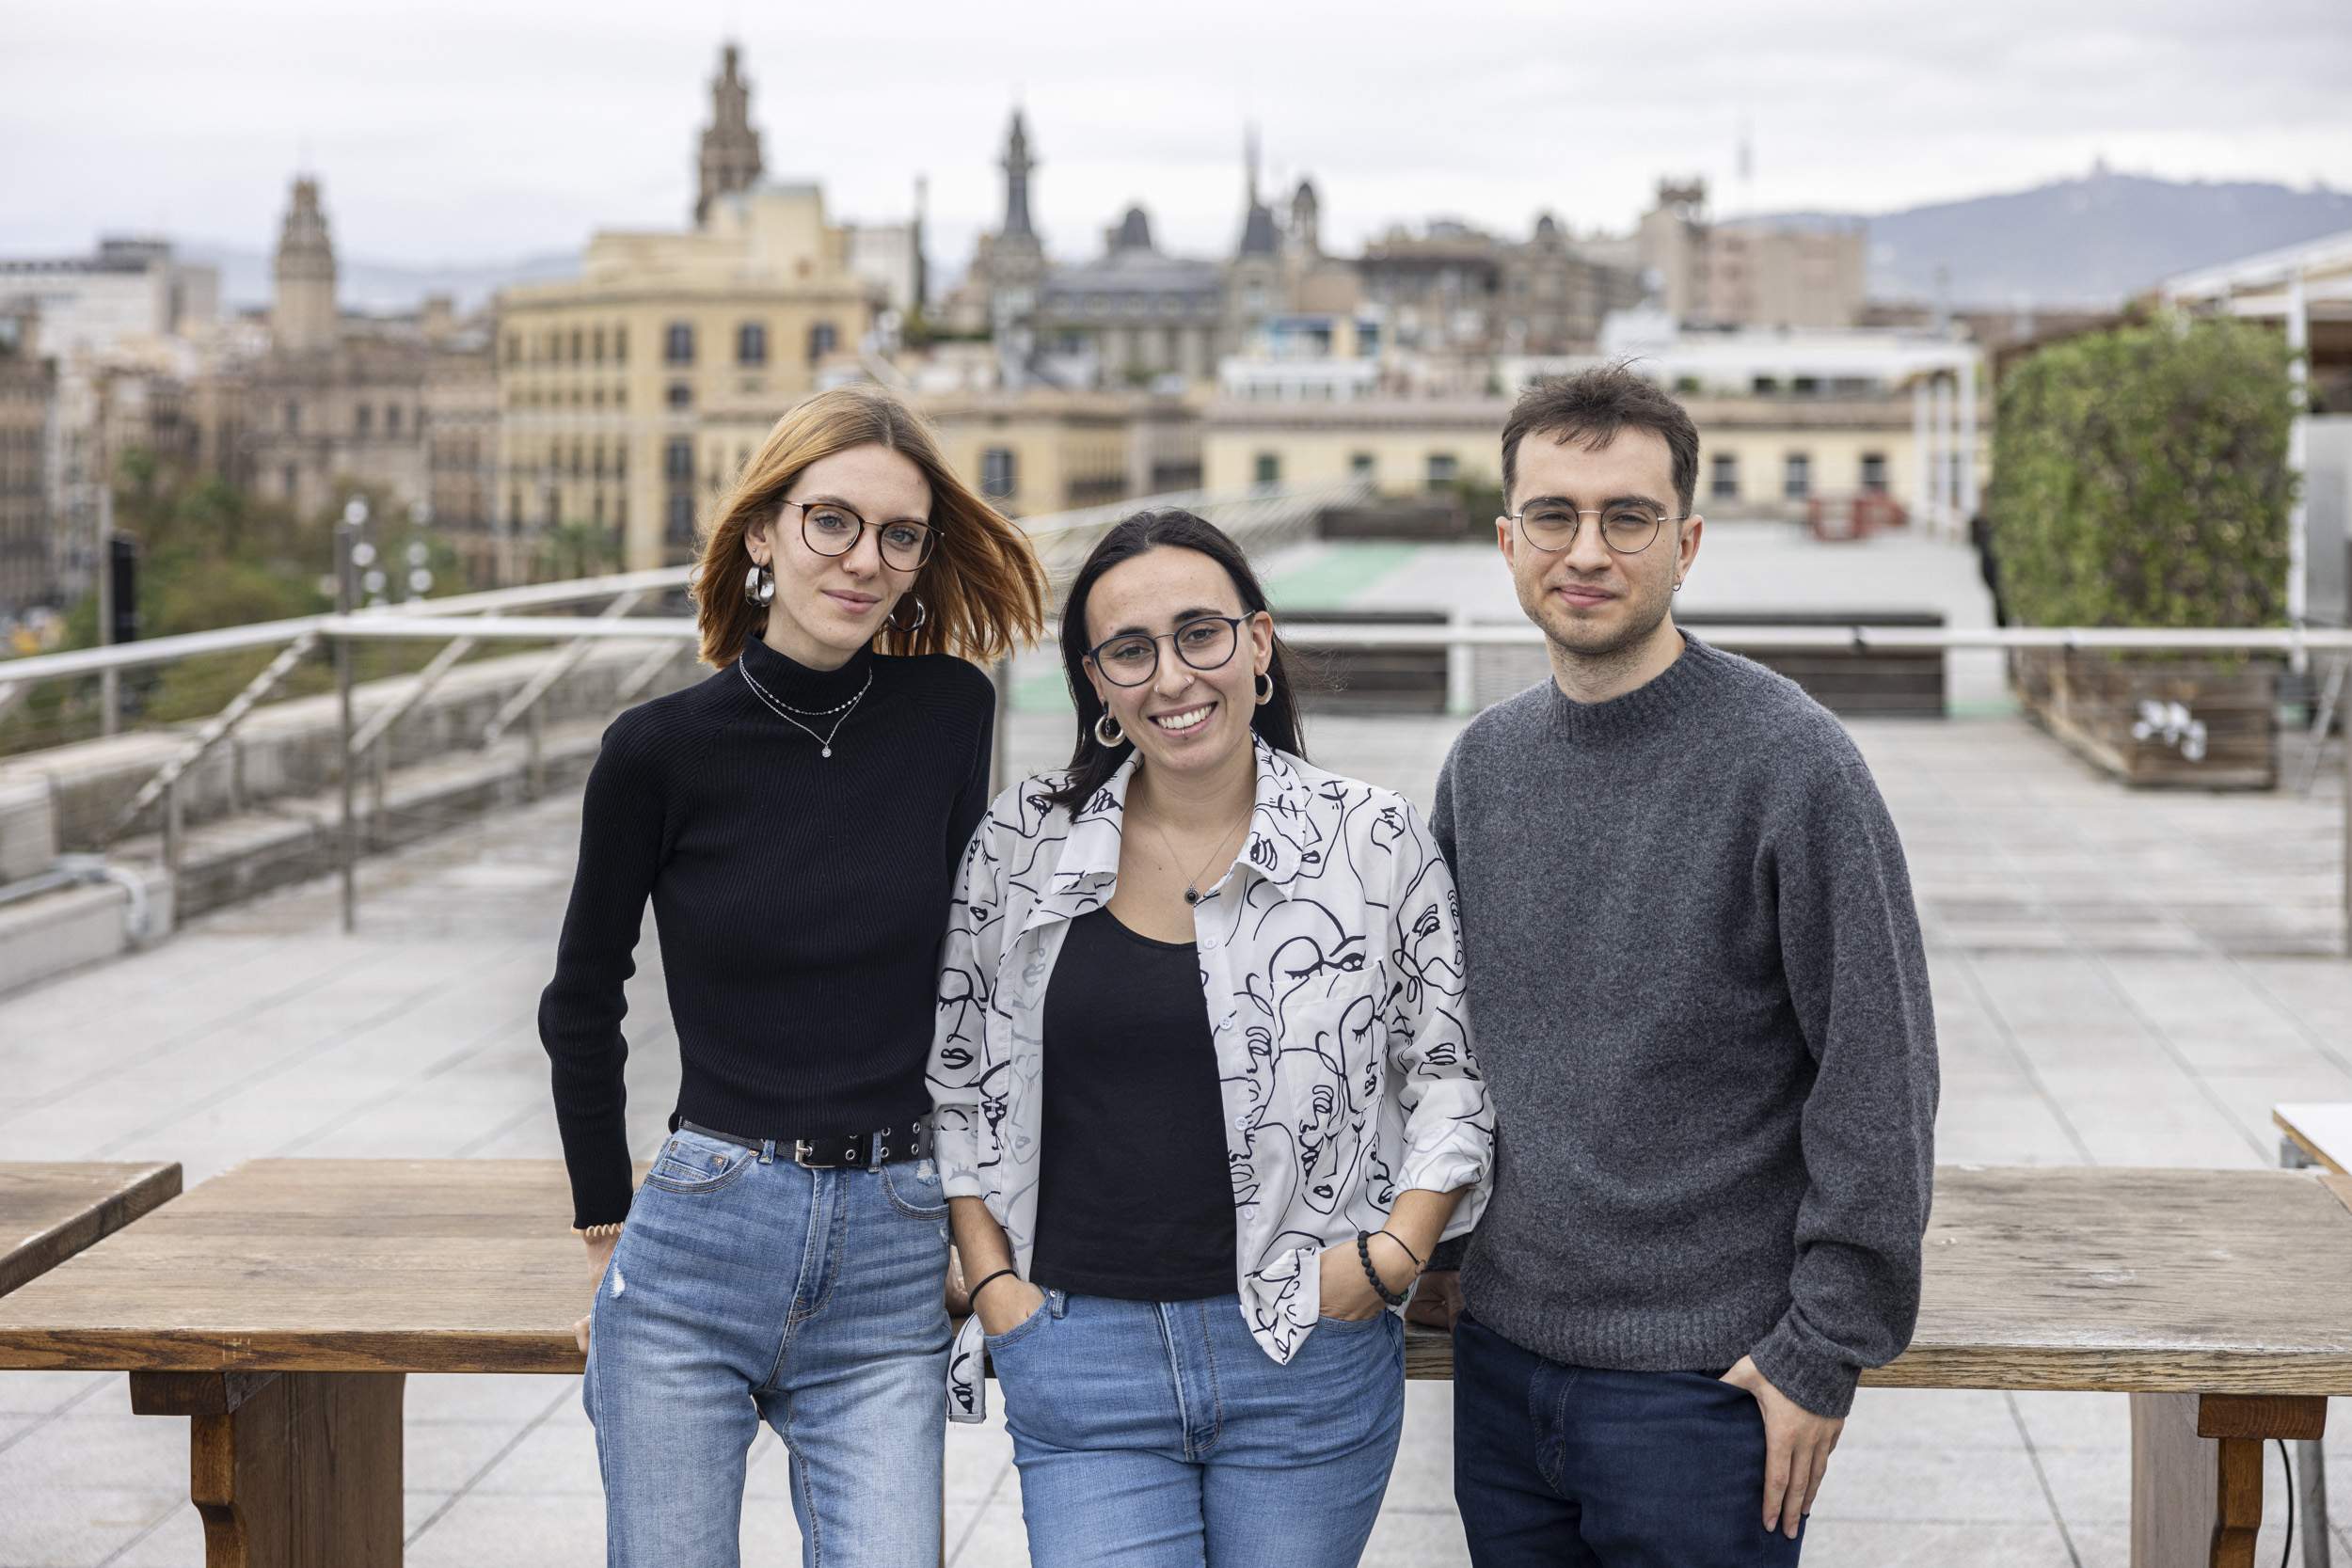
(797, 820)
(1204, 1100)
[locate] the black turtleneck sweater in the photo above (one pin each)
(799, 901)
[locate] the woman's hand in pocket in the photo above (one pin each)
(1004, 1304)
(1346, 1293)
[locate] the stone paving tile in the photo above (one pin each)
(81, 1527)
(1921, 1544)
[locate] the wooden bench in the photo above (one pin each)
(279, 1307)
(48, 1213)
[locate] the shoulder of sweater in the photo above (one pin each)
(945, 675)
(661, 726)
(1770, 712)
(1508, 723)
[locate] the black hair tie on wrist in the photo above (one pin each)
(1419, 1267)
(972, 1295)
(1363, 1255)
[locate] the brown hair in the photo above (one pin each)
(1592, 406)
(982, 590)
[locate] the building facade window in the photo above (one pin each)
(997, 476)
(678, 345)
(1874, 473)
(392, 418)
(619, 345)
(822, 340)
(595, 345)
(1722, 477)
(681, 522)
(1796, 476)
(681, 395)
(1268, 468)
(751, 343)
(1361, 465)
(677, 461)
(1441, 470)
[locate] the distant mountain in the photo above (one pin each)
(375, 287)
(2084, 243)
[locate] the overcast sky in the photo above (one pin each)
(452, 131)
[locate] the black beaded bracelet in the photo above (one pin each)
(1363, 1255)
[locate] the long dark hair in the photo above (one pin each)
(1091, 764)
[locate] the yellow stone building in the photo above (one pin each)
(628, 395)
(1758, 456)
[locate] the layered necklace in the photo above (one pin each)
(824, 741)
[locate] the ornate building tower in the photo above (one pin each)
(730, 150)
(1016, 261)
(302, 313)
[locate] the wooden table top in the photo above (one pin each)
(2323, 1130)
(2219, 1281)
(48, 1213)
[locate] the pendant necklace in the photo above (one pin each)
(1192, 883)
(824, 742)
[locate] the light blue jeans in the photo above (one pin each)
(1159, 1435)
(745, 1288)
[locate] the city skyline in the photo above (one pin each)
(450, 135)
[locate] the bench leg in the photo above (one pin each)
(2197, 1473)
(289, 1470)
(2310, 1503)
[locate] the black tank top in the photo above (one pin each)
(1133, 1197)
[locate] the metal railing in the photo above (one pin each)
(1258, 518)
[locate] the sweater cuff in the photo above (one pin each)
(1806, 1368)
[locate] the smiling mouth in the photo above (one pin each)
(1184, 718)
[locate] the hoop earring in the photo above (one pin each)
(1678, 585)
(1263, 686)
(760, 585)
(1112, 741)
(922, 613)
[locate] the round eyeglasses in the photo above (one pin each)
(831, 528)
(1626, 527)
(1204, 643)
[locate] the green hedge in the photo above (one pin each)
(2140, 478)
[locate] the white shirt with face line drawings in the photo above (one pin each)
(1331, 962)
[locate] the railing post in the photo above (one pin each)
(534, 757)
(1461, 683)
(173, 827)
(347, 837)
(999, 765)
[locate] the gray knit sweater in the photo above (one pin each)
(1696, 987)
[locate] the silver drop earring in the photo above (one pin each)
(1117, 736)
(759, 584)
(922, 613)
(1263, 687)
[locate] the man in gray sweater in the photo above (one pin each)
(1697, 986)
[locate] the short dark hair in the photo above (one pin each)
(1592, 406)
(1091, 764)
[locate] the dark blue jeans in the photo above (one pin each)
(1581, 1468)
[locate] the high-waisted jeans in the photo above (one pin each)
(746, 1287)
(1158, 1434)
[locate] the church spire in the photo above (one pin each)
(730, 148)
(1017, 164)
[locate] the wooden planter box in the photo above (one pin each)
(2156, 722)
